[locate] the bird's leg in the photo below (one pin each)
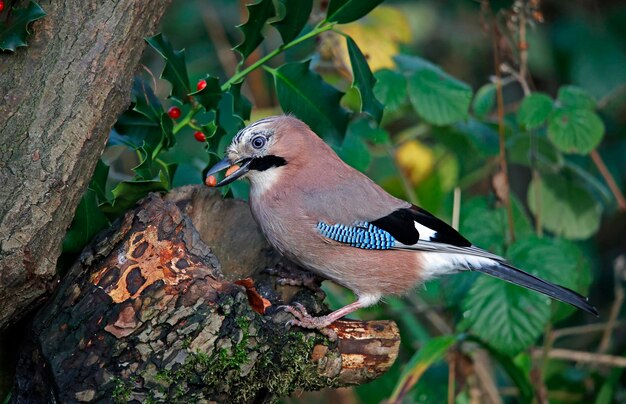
(290, 274)
(305, 320)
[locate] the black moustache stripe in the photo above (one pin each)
(265, 162)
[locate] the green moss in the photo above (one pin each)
(122, 389)
(278, 362)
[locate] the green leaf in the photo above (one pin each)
(366, 130)
(576, 97)
(566, 207)
(439, 98)
(484, 100)
(304, 94)
(13, 32)
(534, 111)
(146, 102)
(507, 317)
(258, 14)
(488, 227)
(241, 105)
(210, 95)
(354, 151)
(147, 168)
(364, 81)
(88, 219)
(556, 260)
(344, 11)
(433, 351)
(127, 193)
(522, 149)
(294, 15)
(175, 70)
(575, 130)
(390, 88)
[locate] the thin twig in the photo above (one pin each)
(607, 99)
(586, 329)
(502, 156)
(484, 375)
(583, 357)
(608, 177)
(451, 376)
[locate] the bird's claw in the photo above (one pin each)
(305, 320)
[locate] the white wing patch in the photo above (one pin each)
(426, 233)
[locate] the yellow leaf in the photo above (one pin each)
(416, 160)
(378, 35)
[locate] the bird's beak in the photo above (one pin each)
(226, 163)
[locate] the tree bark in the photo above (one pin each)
(58, 100)
(146, 314)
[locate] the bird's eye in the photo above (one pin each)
(258, 142)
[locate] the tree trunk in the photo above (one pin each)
(58, 100)
(146, 314)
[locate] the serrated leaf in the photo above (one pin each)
(487, 227)
(13, 32)
(241, 105)
(534, 111)
(344, 11)
(484, 100)
(575, 130)
(294, 15)
(133, 129)
(210, 95)
(304, 94)
(507, 317)
(576, 97)
(364, 81)
(566, 207)
(431, 352)
(556, 260)
(175, 70)
(147, 169)
(439, 98)
(390, 88)
(258, 14)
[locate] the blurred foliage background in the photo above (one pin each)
(535, 173)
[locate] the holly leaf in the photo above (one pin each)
(175, 70)
(364, 81)
(390, 88)
(258, 14)
(575, 130)
(241, 105)
(344, 11)
(438, 97)
(127, 193)
(534, 111)
(293, 15)
(304, 94)
(210, 95)
(146, 102)
(88, 219)
(14, 31)
(566, 207)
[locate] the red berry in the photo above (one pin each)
(174, 112)
(201, 85)
(210, 181)
(199, 136)
(1, 5)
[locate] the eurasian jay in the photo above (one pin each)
(333, 220)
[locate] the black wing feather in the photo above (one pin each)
(401, 225)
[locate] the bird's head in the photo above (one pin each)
(262, 149)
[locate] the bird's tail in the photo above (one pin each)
(518, 277)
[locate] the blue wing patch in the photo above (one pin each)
(361, 235)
